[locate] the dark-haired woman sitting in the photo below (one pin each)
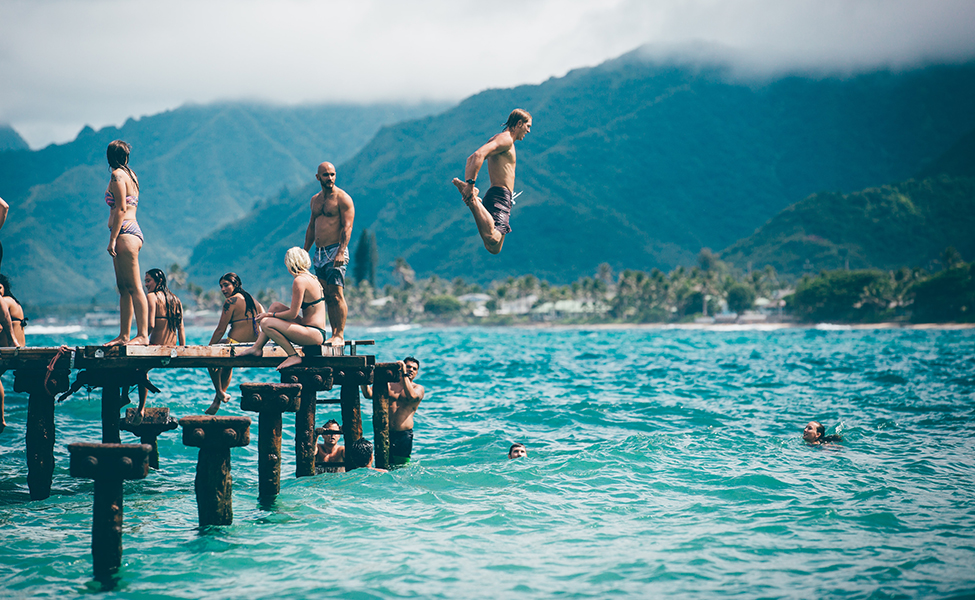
(240, 312)
(12, 321)
(165, 312)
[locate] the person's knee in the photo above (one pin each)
(334, 296)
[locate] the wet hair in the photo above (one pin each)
(8, 294)
(118, 158)
(823, 438)
(517, 116)
(413, 360)
(515, 445)
(174, 310)
(358, 454)
(6, 288)
(297, 260)
(249, 305)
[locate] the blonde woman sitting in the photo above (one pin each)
(302, 323)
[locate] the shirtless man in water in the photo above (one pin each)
(330, 228)
(493, 212)
(404, 399)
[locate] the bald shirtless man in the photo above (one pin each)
(493, 212)
(330, 228)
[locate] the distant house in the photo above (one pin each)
(518, 306)
(478, 302)
(568, 308)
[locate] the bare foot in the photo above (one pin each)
(119, 341)
(461, 186)
(3, 425)
(252, 351)
(335, 340)
(138, 416)
(291, 361)
(139, 340)
(217, 400)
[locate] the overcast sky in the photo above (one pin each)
(68, 63)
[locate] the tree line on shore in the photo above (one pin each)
(946, 293)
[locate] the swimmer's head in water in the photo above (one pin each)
(297, 260)
(517, 451)
(412, 366)
(813, 432)
(358, 454)
(330, 431)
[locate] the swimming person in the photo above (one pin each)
(302, 323)
(359, 456)
(517, 451)
(12, 321)
(492, 214)
(815, 433)
(329, 451)
(165, 312)
(330, 228)
(124, 242)
(240, 311)
(404, 399)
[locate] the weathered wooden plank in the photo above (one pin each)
(190, 362)
(33, 357)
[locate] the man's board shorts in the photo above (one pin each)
(497, 201)
(400, 446)
(325, 269)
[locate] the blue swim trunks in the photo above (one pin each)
(325, 269)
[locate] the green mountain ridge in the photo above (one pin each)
(631, 163)
(10, 139)
(200, 167)
(907, 224)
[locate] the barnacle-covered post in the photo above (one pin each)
(269, 400)
(312, 381)
(155, 421)
(108, 465)
(215, 436)
(384, 374)
(40, 425)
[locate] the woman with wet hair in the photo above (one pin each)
(12, 321)
(165, 312)
(815, 434)
(124, 242)
(240, 311)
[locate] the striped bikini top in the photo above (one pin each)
(110, 199)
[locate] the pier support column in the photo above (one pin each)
(215, 436)
(384, 374)
(40, 426)
(108, 465)
(269, 401)
(312, 381)
(155, 422)
(350, 380)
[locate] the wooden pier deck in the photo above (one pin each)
(46, 373)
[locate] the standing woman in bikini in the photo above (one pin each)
(124, 242)
(240, 312)
(302, 323)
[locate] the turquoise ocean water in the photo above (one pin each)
(662, 462)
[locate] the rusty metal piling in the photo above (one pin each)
(269, 401)
(215, 436)
(40, 435)
(108, 465)
(155, 422)
(385, 373)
